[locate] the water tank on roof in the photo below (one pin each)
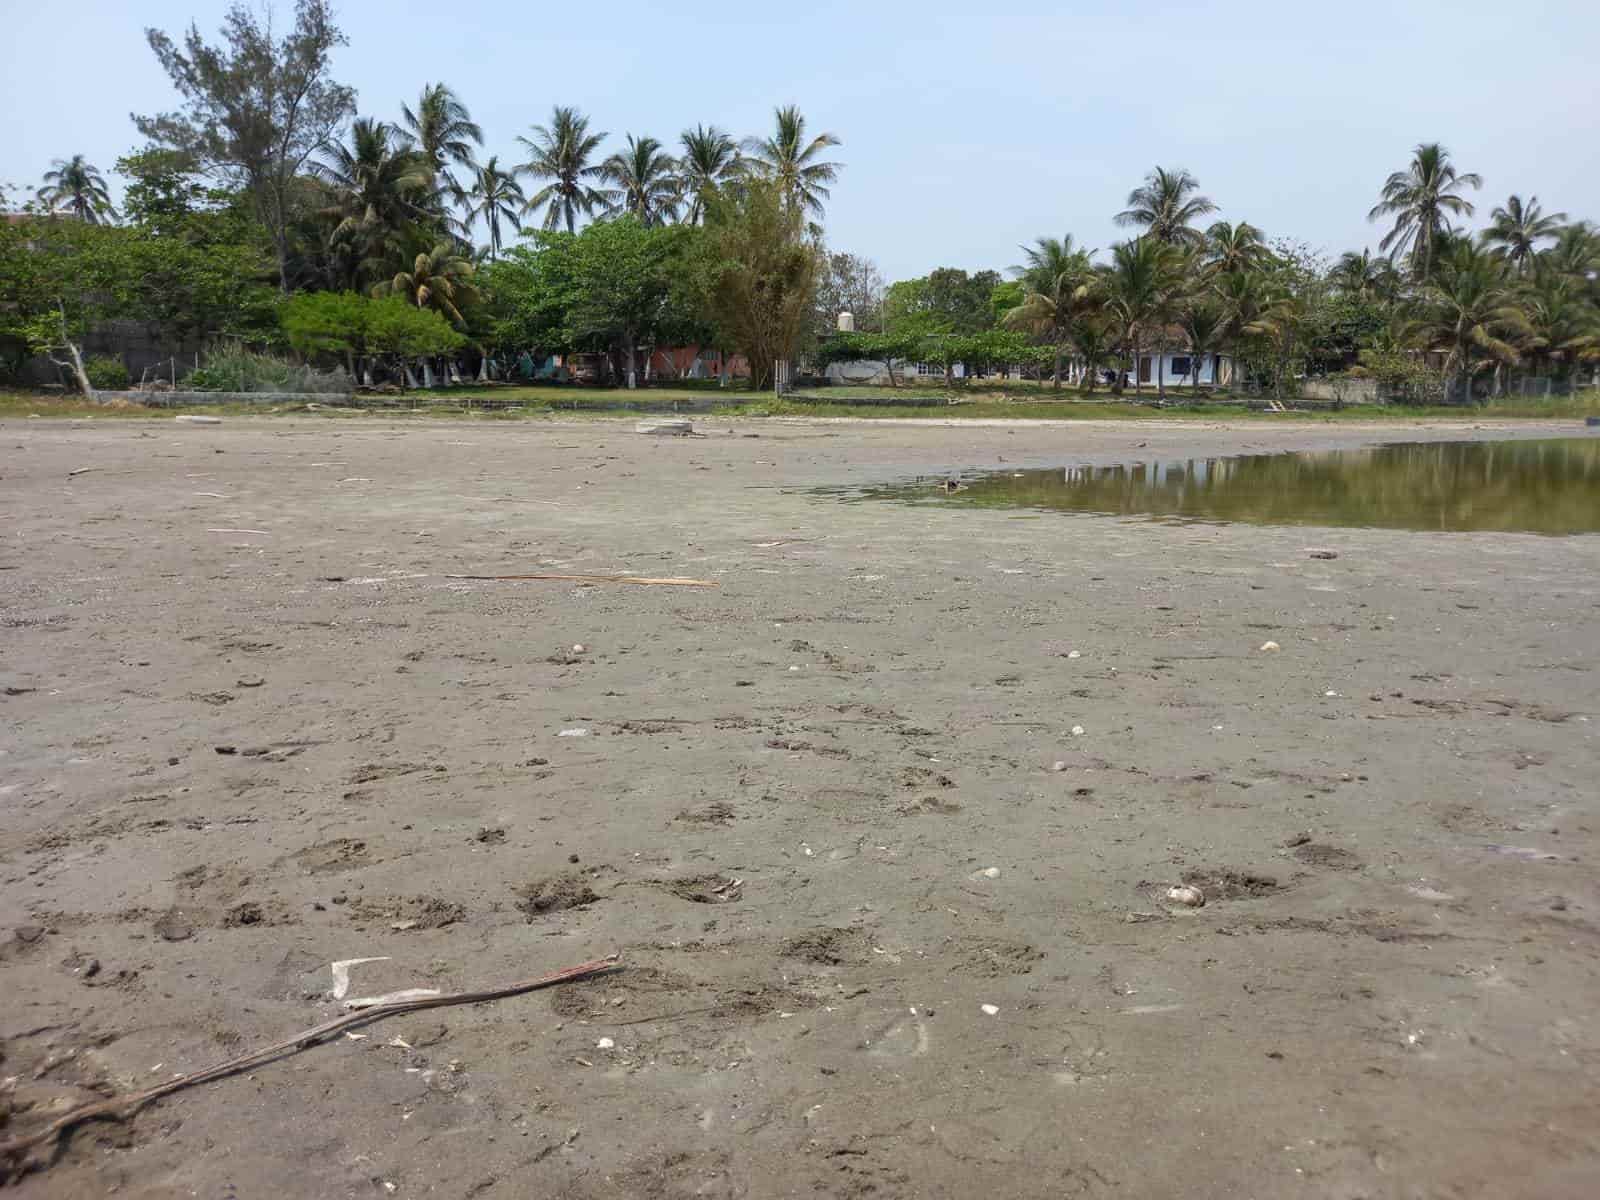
(847, 322)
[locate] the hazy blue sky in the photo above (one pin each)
(967, 128)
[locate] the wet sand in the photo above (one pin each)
(825, 812)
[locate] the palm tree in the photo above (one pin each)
(381, 191)
(79, 188)
(1517, 229)
(496, 196)
(1058, 279)
(794, 163)
(1137, 288)
(1205, 324)
(1576, 256)
(1419, 199)
(445, 133)
(441, 280)
(1165, 204)
(1561, 326)
(560, 153)
(645, 182)
(1466, 307)
(1364, 277)
(1232, 247)
(1244, 296)
(710, 159)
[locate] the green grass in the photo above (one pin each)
(1002, 403)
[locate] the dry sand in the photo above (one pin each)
(816, 811)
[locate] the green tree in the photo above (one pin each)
(644, 182)
(1137, 286)
(1420, 199)
(256, 107)
(793, 162)
(1058, 282)
(1231, 247)
(440, 279)
(623, 282)
(531, 292)
(380, 190)
(760, 276)
(1365, 277)
(496, 197)
(445, 135)
(1516, 230)
(710, 160)
(76, 186)
(561, 152)
(1562, 328)
(1166, 205)
(1467, 311)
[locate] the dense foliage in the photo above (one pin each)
(266, 212)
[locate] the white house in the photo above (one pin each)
(1177, 370)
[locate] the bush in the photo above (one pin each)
(107, 374)
(235, 369)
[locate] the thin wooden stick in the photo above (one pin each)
(121, 1107)
(641, 579)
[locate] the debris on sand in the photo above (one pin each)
(173, 927)
(12, 1152)
(990, 1010)
(341, 973)
(556, 893)
(644, 580)
(707, 889)
(1322, 554)
(196, 420)
(1526, 853)
(665, 428)
(1189, 897)
(1270, 647)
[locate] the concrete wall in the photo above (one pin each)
(178, 399)
(1347, 391)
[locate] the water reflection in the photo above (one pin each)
(1550, 487)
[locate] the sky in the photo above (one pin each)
(968, 129)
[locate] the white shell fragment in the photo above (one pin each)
(1191, 897)
(990, 1010)
(1269, 647)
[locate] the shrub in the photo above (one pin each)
(107, 374)
(236, 369)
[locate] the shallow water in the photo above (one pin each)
(1547, 486)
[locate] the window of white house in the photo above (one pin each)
(929, 369)
(1181, 364)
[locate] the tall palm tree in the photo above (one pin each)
(1517, 229)
(645, 183)
(794, 163)
(1467, 307)
(1165, 205)
(496, 196)
(381, 191)
(1057, 279)
(440, 279)
(560, 152)
(1421, 199)
(710, 159)
(78, 187)
(1231, 247)
(445, 133)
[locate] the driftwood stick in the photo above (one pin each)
(122, 1107)
(640, 579)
